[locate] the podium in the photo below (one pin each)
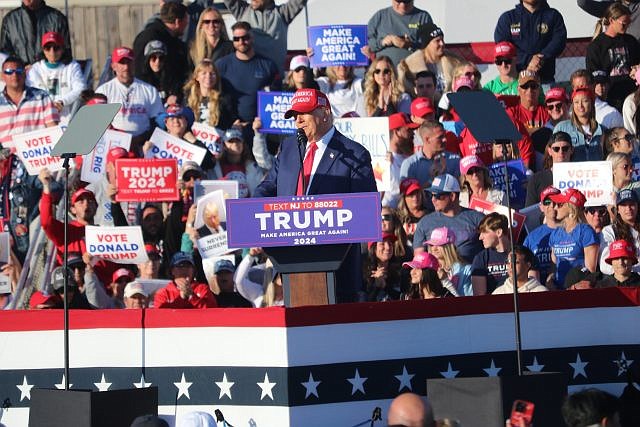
(308, 272)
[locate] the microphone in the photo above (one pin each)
(302, 145)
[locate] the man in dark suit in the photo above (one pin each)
(332, 164)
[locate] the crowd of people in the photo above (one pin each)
(185, 66)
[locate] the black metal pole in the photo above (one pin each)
(512, 256)
(65, 254)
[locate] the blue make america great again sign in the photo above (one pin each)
(304, 220)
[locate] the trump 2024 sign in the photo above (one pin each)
(304, 220)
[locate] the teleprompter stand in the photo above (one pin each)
(487, 400)
(308, 272)
(85, 408)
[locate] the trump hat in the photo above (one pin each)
(307, 100)
(134, 288)
(398, 120)
(385, 236)
(420, 107)
(441, 236)
(409, 185)
(299, 61)
(423, 260)
(52, 37)
(527, 76)
(621, 249)
(572, 196)
(116, 153)
(81, 193)
(556, 94)
(469, 162)
(121, 53)
(548, 192)
(120, 273)
(504, 50)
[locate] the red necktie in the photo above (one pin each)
(307, 165)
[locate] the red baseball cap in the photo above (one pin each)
(81, 192)
(409, 185)
(120, 273)
(504, 50)
(38, 298)
(385, 236)
(556, 94)
(420, 107)
(116, 153)
(549, 191)
(583, 90)
(398, 120)
(121, 53)
(96, 100)
(52, 37)
(621, 249)
(423, 260)
(573, 196)
(307, 100)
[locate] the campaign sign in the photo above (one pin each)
(337, 45)
(210, 223)
(34, 149)
(307, 220)
(517, 181)
(594, 179)
(122, 245)
(517, 221)
(147, 180)
(271, 107)
(94, 164)
(209, 136)
(373, 134)
(166, 146)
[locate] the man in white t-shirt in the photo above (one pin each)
(140, 101)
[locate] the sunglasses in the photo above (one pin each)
(599, 211)
(11, 71)
(211, 21)
(440, 196)
(241, 38)
(386, 217)
(474, 171)
(471, 74)
(628, 137)
(530, 86)
(384, 71)
(156, 58)
(404, 1)
(301, 68)
(625, 167)
(557, 107)
(547, 202)
(564, 148)
(52, 46)
(503, 62)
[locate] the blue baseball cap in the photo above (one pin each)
(444, 184)
(181, 257)
(223, 265)
(626, 196)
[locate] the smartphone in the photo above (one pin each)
(522, 410)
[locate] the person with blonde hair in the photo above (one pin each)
(574, 243)
(206, 99)
(615, 52)
(383, 94)
(344, 90)
(211, 40)
(454, 273)
(622, 168)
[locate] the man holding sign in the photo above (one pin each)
(332, 164)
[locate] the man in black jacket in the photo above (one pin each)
(23, 27)
(168, 29)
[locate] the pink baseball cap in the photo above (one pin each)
(307, 100)
(462, 81)
(420, 107)
(504, 50)
(469, 162)
(423, 260)
(441, 236)
(299, 61)
(556, 94)
(121, 53)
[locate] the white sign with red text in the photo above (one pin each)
(94, 164)
(166, 146)
(34, 149)
(209, 135)
(122, 245)
(593, 179)
(147, 180)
